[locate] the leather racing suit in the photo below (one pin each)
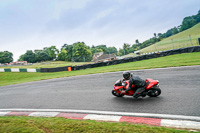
(139, 83)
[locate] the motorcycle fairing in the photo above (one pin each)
(151, 83)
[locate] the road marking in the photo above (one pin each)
(44, 114)
(102, 117)
(149, 115)
(151, 121)
(15, 113)
(3, 113)
(180, 124)
(71, 115)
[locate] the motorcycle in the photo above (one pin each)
(152, 89)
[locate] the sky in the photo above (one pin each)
(35, 24)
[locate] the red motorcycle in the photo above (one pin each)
(152, 88)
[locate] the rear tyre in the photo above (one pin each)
(154, 92)
(117, 95)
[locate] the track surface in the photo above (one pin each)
(180, 93)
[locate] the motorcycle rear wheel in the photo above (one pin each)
(154, 92)
(117, 95)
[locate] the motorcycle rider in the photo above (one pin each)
(137, 81)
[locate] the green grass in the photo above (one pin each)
(49, 64)
(187, 59)
(180, 40)
(15, 124)
(129, 55)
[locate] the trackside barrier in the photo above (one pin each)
(69, 68)
(18, 70)
(113, 62)
(138, 58)
(57, 69)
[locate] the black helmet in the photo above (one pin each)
(126, 75)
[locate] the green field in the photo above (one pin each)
(186, 38)
(187, 59)
(15, 124)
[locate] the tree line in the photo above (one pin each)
(79, 51)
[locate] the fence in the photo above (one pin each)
(172, 43)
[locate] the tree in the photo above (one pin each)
(188, 22)
(137, 41)
(41, 56)
(62, 56)
(159, 35)
(52, 52)
(6, 57)
(104, 48)
(126, 48)
(112, 50)
(29, 56)
(21, 58)
(155, 35)
(121, 52)
(81, 52)
(68, 48)
(169, 33)
(175, 30)
(96, 49)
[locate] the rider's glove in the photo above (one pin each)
(123, 92)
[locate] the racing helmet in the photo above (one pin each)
(126, 75)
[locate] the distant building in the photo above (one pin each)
(101, 57)
(18, 63)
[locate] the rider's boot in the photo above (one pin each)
(138, 92)
(144, 94)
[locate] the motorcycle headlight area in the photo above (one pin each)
(158, 83)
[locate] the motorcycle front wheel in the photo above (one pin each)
(117, 95)
(154, 92)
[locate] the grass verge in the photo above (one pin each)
(186, 38)
(14, 124)
(48, 64)
(187, 59)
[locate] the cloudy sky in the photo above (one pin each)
(35, 24)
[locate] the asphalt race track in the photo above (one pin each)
(180, 93)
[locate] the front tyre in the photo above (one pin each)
(117, 94)
(154, 92)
